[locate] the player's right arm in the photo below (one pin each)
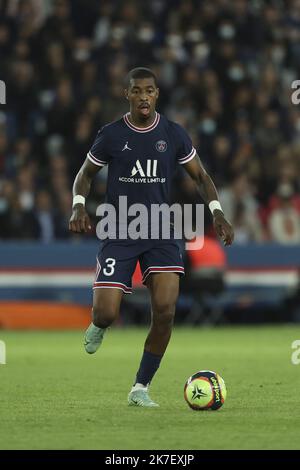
(80, 221)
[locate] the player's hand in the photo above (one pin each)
(79, 221)
(223, 228)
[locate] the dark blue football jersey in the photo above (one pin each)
(141, 161)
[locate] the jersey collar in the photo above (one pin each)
(142, 129)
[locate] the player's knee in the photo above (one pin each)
(103, 316)
(164, 312)
(163, 304)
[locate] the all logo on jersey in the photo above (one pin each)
(143, 173)
(151, 168)
(161, 146)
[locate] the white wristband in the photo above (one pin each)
(213, 205)
(78, 199)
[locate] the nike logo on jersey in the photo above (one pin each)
(126, 147)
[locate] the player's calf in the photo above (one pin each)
(103, 317)
(104, 314)
(95, 333)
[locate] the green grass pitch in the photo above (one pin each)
(55, 396)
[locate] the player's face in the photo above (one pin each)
(142, 95)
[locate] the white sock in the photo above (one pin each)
(139, 387)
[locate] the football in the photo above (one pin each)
(205, 390)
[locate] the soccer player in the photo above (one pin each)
(141, 150)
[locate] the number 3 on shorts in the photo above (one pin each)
(110, 263)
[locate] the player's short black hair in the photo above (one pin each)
(139, 72)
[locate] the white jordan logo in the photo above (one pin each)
(126, 147)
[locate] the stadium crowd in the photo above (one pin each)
(225, 70)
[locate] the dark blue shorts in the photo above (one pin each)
(117, 260)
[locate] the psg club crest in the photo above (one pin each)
(161, 146)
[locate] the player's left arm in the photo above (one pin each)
(209, 193)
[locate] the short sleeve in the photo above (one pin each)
(185, 149)
(98, 154)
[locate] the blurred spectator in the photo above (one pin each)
(26, 187)
(15, 221)
(241, 208)
(61, 116)
(284, 221)
(44, 214)
(63, 215)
